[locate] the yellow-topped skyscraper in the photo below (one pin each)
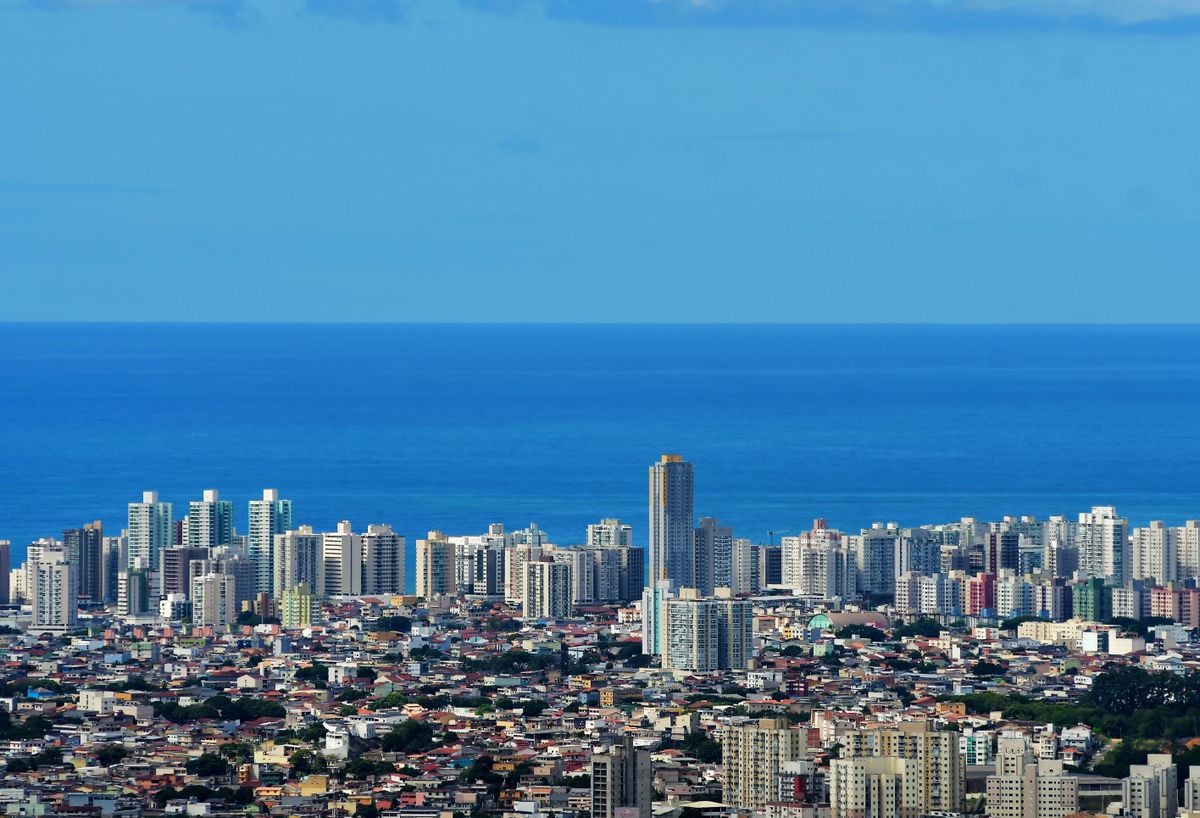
(672, 522)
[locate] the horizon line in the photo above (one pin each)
(420, 323)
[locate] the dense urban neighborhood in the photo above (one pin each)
(1018, 668)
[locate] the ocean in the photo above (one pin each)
(454, 427)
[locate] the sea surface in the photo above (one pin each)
(454, 427)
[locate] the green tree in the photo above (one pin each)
(411, 737)
(110, 754)
(208, 765)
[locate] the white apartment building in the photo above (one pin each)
(55, 605)
(213, 600)
(151, 530)
(269, 517)
(546, 589)
(1103, 551)
(383, 561)
(343, 558)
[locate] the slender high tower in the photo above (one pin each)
(268, 517)
(209, 522)
(672, 522)
(150, 531)
(85, 547)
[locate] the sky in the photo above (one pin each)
(600, 160)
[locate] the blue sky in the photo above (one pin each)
(599, 160)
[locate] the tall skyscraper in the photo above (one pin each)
(55, 606)
(298, 558)
(5, 568)
(1103, 551)
(383, 561)
(115, 557)
(436, 575)
(150, 531)
(672, 521)
(622, 780)
(268, 517)
(714, 556)
(85, 550)
(209, 521)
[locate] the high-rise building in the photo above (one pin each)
(225, 561)
(516, 556)
(871, 787)
(209, 521)
(436, 575)
(707, 633)
(1191, 790)
(116, 551)
(610, 532)
(1187, 550)
(876, 559)
(133, 590)
(616, 573)
(298, 558)
(672, 521)
(55, 606)
(1060, 559)
(770, 565)
(18, 589)
(1026, 787)
(1014, 596)
(299, 607)
(214, 600)
(5, 568)
(1151, 789)
(918, 549)
(84, 547)
(817, 565)
(621, 781)
(582, 565)
(1092, 600)
(342, 551)
(654, 616)
(754, 754)
(150, 531)
(938, 772)
(744, 569)
(268, 517)
(176, 568)
(1003, 551)
(383, 561)
(1103, 550)
(547, 589)
(480, 562)
(714, 556)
